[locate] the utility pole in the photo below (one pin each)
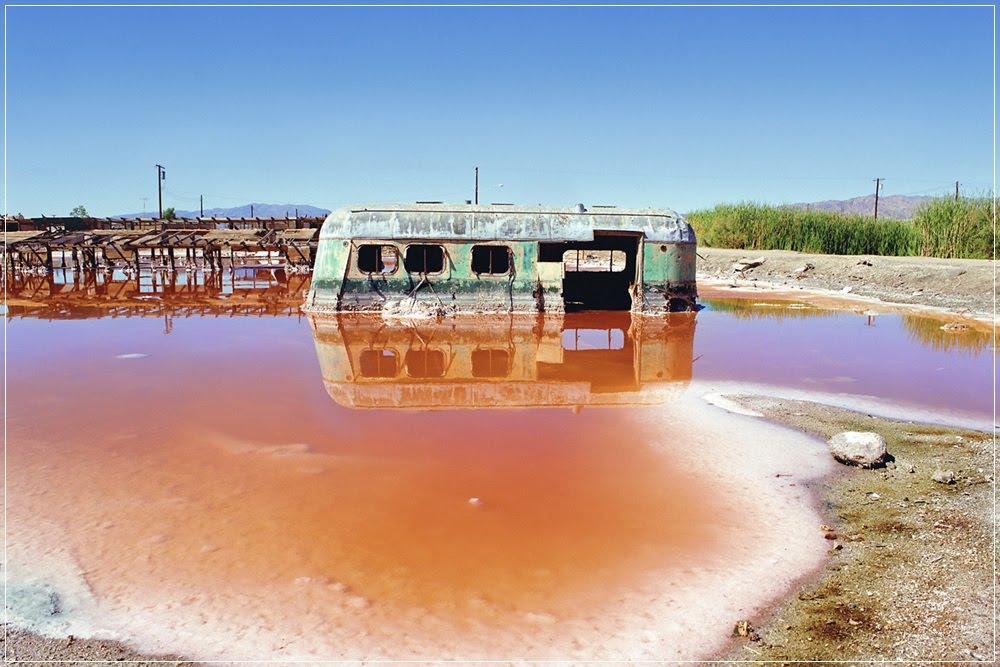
(956, 190)
(477, 186)
(144, 200)
(201, 203)
(251, 210)
(161, 175)
(878, 186)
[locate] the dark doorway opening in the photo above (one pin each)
(598, 274)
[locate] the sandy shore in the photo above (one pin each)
(910, 569)
(962, 289)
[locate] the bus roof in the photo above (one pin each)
(501, 222)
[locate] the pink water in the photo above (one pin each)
(205, 465)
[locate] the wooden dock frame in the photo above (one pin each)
(203, 249)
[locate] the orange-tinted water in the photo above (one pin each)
(218, 463)
(215, 481)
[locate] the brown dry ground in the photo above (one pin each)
(962, 287)
(20, 646)
(910, 571)
(910, 574)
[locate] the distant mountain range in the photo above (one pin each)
(901, 207)
(259, 210)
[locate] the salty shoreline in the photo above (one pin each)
(956, 289)
(639, 620)
(910, 572)
(837, 609)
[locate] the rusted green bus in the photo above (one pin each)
(455, 258)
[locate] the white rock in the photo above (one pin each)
(943, 476)
(864, 449)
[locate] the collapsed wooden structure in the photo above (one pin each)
(170, 249)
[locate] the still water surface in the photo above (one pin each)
(213, 451)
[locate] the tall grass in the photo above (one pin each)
(760, 227)
(957, 228)
(943, 228)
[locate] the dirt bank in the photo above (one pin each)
(910, 573)
(23, 646)
(962, 287)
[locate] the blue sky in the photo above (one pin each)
(667, 106)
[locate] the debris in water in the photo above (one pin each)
(132, 355)
(475, 501)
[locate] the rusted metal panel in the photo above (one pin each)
(464, 222)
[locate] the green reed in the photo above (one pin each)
(963, 227)
(753, 226)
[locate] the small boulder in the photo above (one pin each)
(943, 476)
(858, 448)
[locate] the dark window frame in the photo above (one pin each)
(378, 258)
(397, 362)
(490, 248)
(418, 363)
(425, 246)
(486, 362)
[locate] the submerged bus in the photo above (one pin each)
(465, 258)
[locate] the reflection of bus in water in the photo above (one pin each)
(585, 359)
